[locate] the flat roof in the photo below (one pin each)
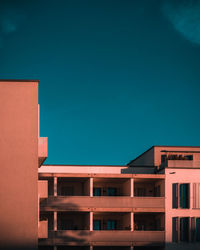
(19, 80)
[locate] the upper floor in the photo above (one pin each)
(169, 156)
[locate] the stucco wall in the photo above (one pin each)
(19, 163)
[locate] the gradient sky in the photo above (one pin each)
(116, 77)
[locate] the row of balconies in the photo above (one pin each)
(101, 226)
(61, 186)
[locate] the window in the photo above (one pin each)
(197, 229)
(184, 195)
(184, 229)
(180, 195)
(175, 229)
(111, 224)
(111, 191)
(96, 191)
(96, 225)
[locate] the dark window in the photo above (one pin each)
(175, 195)
(96, 225)
(111, 224)
(140, 192)
(184, 195)
(157, 191)
(184, 229)
(188, 157)
(112, 191)
(67, 191)
(181, 193)
(197, 229)
(163, 158)
(96, 191)
(175, 229)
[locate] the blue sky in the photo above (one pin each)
(116, 77)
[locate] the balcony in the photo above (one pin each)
(84, 237)
(180, 164)
(43, 229)
(103, 203)
(42, 149)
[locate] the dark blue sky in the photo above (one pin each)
(116, 77)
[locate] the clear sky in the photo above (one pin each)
(116, 77)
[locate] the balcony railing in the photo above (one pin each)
(85, 203)
(43, 229)
(85, 236)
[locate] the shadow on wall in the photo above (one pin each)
(70, 223)
(139, 170)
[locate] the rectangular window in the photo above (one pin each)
(111, 224)
(175, 229)
(184, 195)
(97, 225)
(184, 229)
(197, 229)
(180, 195)
(111, 191)
(96, 191)
(175, 195)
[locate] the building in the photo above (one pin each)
(22, 151)
(153, 202)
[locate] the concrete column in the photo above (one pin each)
(132, 187)
(55, 221)
(91, 187)
(132, 221)
(91, 221)
(55, 186)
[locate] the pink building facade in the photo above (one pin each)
(153, 202)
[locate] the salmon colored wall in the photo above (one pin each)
(19, 163)
(179, 176)
(82, 169)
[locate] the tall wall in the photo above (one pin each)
(179, 176)
(19, 163)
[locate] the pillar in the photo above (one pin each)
(91, 221)
(91, 187)
(91, 247)
(132, 221)
(132, 187)
(55, 221)
(55, 186)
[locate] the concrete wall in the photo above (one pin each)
(146, 159)
(19, 164)
(179, 176)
